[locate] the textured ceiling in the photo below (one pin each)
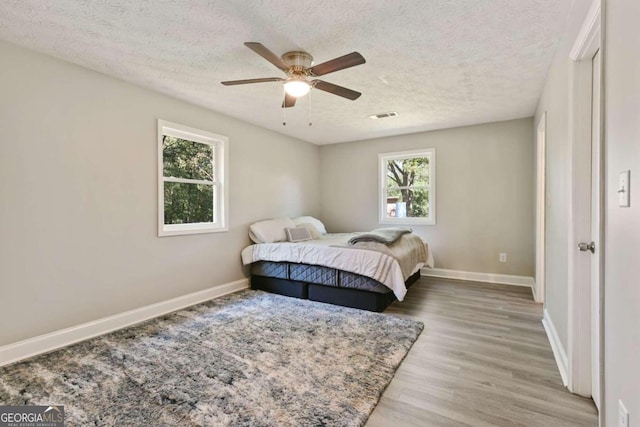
(437, 63)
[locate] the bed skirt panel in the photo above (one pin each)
(289, 288)
(348, 297)
(279, 270)
(313, 274)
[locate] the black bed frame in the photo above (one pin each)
(347, 297)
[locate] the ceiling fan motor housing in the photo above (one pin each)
(298, 59)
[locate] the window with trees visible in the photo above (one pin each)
(407, 187)
(192, 175)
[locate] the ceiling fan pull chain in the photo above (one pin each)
(284, 111)
(309, 110)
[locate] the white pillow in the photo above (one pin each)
(311, 220)
(271, 230)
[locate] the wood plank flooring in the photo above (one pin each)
(483, 359)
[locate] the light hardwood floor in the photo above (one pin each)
(483, 359)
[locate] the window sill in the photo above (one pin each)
(408, 221)
(185, 229)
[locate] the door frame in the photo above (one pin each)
(580, 307)
(541, 197)
(597, 235)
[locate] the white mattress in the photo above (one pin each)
(391, 266)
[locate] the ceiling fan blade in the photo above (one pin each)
(336, 90)
(289, 101)
(349, 60)
(267, 54)
(247, 81)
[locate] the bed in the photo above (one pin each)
(349, 269)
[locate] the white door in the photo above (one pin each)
(585, 266)
(596, 233)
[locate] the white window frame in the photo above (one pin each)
(383, 158)
(220, 180)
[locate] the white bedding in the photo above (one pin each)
(389, 265)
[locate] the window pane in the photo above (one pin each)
(407, 203)
(408, 172)
(394, 196)
(187, 203)
(187, 159)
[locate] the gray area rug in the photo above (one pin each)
(247, 359)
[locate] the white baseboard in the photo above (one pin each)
(44, 343)
(503, 279)
(558, 350)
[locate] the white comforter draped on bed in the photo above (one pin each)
(389, 265)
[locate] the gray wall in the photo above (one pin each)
(622, 229)
(555, 101)
(484, 184)
(78, 191)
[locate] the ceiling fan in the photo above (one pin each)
(297, 65)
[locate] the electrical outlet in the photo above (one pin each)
(502, 257)
(623, 415)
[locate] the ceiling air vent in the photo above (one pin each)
(383, 115)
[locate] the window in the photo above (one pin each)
(408, 187)
(192, 175)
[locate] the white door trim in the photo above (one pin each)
(597, 235)
(541, 206)
(588, 35)
(585, 46)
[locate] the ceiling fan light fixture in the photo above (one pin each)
(297, 86)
